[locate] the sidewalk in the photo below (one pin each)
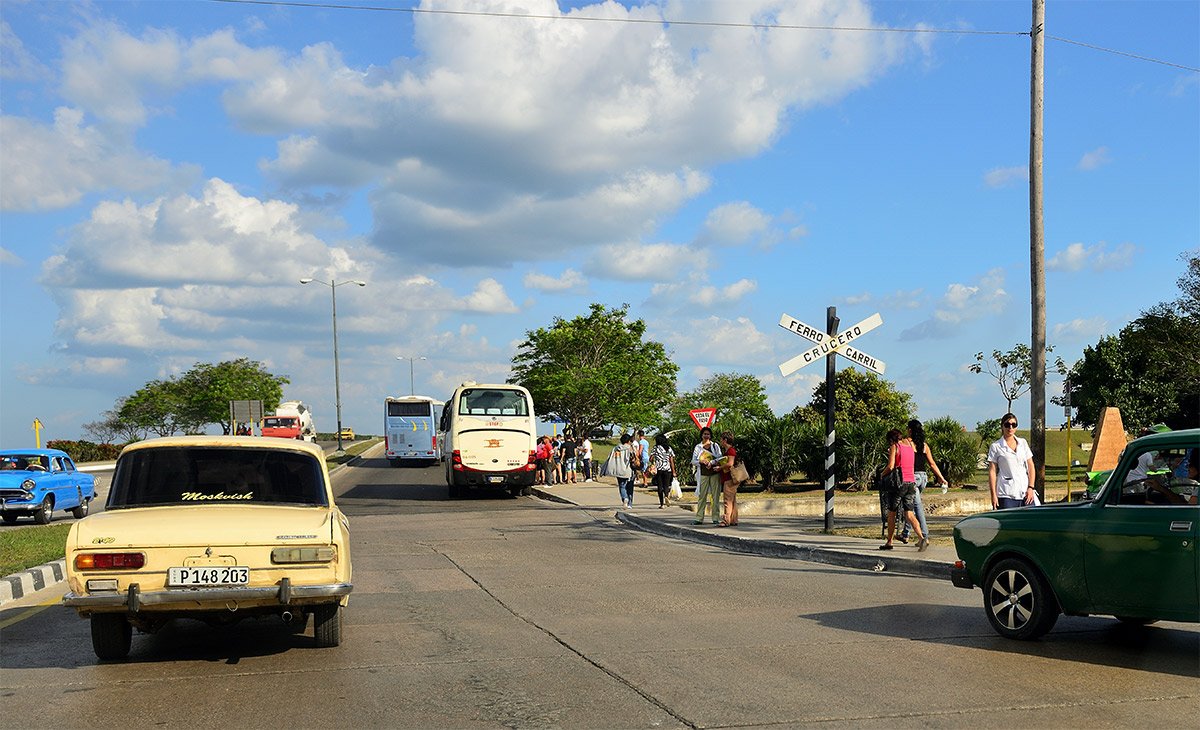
(791, 536)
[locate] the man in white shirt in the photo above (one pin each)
(585, 450)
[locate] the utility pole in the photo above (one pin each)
(1037, 248)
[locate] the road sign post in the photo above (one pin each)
(828, 344)
(831, 325)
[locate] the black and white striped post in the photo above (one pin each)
(831, 327)
(829, 344)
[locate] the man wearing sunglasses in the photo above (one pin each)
(1010, 468)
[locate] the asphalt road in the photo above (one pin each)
(512, 612)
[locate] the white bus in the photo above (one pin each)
(489, 437)
(410, 428)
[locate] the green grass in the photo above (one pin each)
(352, 451)
(25, 547)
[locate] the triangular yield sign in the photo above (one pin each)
(703, 417)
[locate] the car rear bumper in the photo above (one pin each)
(132, 600)
(960, 577)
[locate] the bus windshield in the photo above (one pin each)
(492, 402)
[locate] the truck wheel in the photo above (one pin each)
(111, 636)
(82, 510)
(1019, 603)
(45, 512)
(327, 625)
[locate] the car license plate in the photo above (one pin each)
(209, 575)
(496, 480)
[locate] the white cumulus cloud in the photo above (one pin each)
(1097, 257)
(1002, 177)
(1095, 159)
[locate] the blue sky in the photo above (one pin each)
(169, 171)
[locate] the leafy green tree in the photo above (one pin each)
(595, 369)
(1189, 285)
(206, 389)
(159, 407)
(730, 393)
(1012, 370)
(987, 431)
(859, 395)
(1150, 370)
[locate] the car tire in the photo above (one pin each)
(9, 517)
(327, 625)
(82, 510)
(111, 636)
(526, 491)
(45, 512)
(1018, 601)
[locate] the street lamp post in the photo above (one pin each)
(411, 387)
(337, 377)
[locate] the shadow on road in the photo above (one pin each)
(1094, 640)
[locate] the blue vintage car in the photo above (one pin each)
(35, 482)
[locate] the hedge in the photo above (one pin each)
(85, 451)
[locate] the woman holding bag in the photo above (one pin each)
(662, 468)
(729, 484)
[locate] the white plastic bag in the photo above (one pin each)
(676, 490)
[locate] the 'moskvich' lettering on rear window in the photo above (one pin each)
(202, 497)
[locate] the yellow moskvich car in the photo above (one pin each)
(217, 528)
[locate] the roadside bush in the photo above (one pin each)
(988, 431)
(85, 451)
(860, 449)
(953, 448)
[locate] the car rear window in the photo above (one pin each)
(215, 475)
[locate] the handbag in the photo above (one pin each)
(739, 473)
(604, 468)
(676, 490)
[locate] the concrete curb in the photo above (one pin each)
(19, 585)
(769, 548)
(551, 496)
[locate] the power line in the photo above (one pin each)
(632, 21)
(1121, 53)
(698, 23)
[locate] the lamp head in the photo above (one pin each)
(306, 280)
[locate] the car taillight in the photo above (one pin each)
(109, 561)
(456, 460)
(531, 465)
(435, 442)
(960, 564)
(322, 554)
(385, 443)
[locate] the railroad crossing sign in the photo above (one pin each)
(829, 344)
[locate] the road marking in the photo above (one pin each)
(31, 611)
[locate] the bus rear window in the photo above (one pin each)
(408, 409)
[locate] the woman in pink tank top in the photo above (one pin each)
(902, 455)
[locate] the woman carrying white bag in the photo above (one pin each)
(662, 470)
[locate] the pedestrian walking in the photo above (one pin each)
(708, 483)
(902, 455)
(542, 456)
(568, 452)
(1010, 467)
(662, 468)
(644, 451)
(585, 448)
(619, 466)
(729, 485)
(924, 461)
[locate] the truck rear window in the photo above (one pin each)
(216, 475)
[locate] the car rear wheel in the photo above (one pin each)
(327, 625)
(1019, 603)
(81, 511)
(111, 636)
(45, 512)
